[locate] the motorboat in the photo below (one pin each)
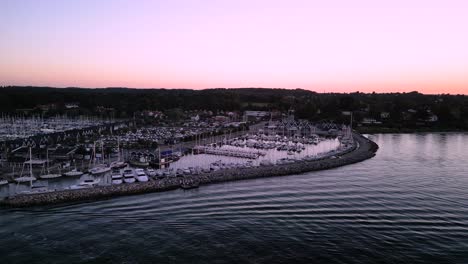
(37, 189)
(73, 173)
(3, 182)
(88, 183)
(190, 184)
(141, 162)
(25, 179)
(50, 176)
(141, 175)
(116, 177)
(129, 176)
(100, 169)
(118, 164)
(151, 172)
(160, 174)
(266, 163)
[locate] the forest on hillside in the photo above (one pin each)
(398, 109)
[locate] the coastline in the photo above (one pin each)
(364, 149)
(393, 130)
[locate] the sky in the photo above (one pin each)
(320, 45)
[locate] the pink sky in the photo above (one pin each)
(332, 46)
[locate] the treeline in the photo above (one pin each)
(403, 108)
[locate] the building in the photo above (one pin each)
(370, 121)
(255, 115)
(385, 115)
(432, 118)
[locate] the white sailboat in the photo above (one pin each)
(100, 168)
(30, 178)
(49, 175)
(118, 164)
(73, 173)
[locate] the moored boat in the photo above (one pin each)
(100, 169)
(73, 173)
(141, 175)
(190, 184)
(3, 182)
(129, 176)
(116, 177)
(50, 176)
(25, 179)
(88, 183)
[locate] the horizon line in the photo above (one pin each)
(226, 88)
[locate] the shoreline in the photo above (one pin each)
(365, 149)
(388, 130)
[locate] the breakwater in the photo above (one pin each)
(364, 149)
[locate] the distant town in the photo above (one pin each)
(395, 112)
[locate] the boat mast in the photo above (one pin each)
(118, 148)
(94, 153)
(159, 155)
(30, 166)
(102, 151)
(47, 157)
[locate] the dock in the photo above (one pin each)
(364, 149)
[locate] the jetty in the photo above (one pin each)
(363, 149)
(228, 152)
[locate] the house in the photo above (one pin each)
(432, 118)
(195, 118)
(384, 115)
(71, 106)
(370, 121)
(255, 115)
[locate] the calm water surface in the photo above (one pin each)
(409, 204)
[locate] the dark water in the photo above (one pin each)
(409, 204)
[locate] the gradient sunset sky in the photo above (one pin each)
(326, 45)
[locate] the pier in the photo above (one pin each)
(364, 149)
(228, 152)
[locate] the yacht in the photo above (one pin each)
(129, 176)
(118, 164)
(151, 172)
(25, 179)
(88, 183)
(116, 177)
(30, 178)
(141, 175)
(37, 189)
(100, 169)
(73, 173)
(50, 176)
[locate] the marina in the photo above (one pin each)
(126, 158)
(93, 189)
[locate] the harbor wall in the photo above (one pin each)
(363, 150)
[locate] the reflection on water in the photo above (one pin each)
(204, 160)
(409, 204)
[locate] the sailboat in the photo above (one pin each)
(30, 178)
(100, 168)
(118, 164)
(49, 175)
